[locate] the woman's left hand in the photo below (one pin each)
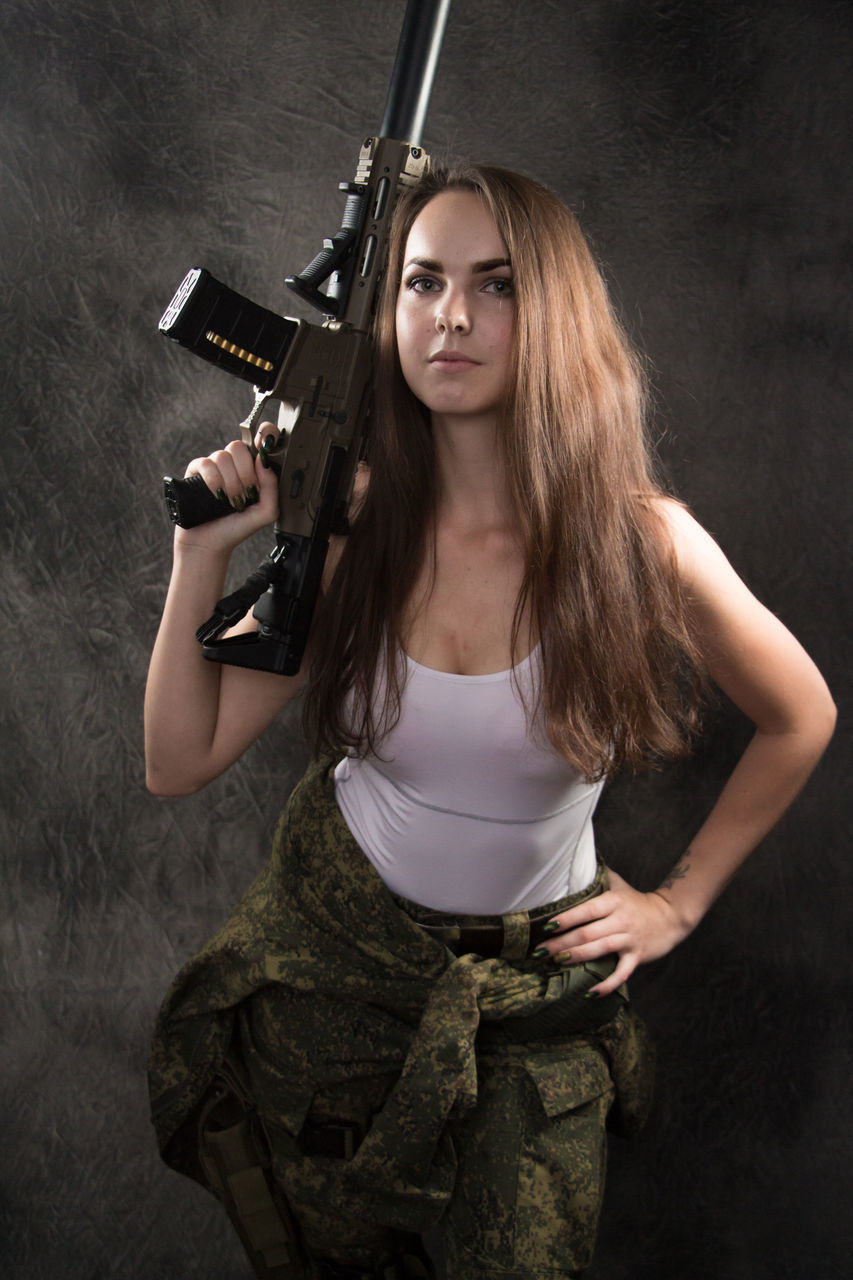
(637, 926)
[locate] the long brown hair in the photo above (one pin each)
(599, 585)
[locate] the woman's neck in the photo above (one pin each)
(472, 488)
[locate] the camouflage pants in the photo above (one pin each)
(345, 1012)
(529, 1162)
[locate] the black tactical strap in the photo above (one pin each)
(336, 1138)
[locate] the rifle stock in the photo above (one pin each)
(321, 373)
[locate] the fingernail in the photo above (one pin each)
(220, 493)
(267, 462)
(539, 953)
(238, 502)
(551, 927)
(564, 957)
(252, 493)
(590, 995)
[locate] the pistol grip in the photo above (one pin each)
(190, 502)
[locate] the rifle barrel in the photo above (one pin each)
(414, 70)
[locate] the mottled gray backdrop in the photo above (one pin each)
(705, 148)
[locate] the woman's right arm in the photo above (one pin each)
(200, 716)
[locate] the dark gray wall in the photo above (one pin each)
(704, 146)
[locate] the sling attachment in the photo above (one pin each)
(235, 1156)
(231, 609)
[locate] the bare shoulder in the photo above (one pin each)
(749, 652)
(715, 592)
(696, 553)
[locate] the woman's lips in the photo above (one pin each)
(452, 360)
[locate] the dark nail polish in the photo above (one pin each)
(252, 493)
(220, 493)
(551, 927)
(539, 953)
(238, 502)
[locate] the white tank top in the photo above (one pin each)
(464, 809)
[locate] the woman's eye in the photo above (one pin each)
(422, 284)
(500, 286)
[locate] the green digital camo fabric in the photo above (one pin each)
(343, 1008)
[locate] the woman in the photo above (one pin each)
(517, 613)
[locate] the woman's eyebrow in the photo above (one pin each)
(478, 268)
(428, 264)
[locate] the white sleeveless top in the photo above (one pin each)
(465, 810)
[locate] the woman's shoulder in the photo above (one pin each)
(694, 551)
(721, 604)
(746, 649)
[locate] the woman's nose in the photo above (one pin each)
(453, 314)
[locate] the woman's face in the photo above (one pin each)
(455, 309)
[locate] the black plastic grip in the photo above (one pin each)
(190, 502)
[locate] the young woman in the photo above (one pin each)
(422, 997)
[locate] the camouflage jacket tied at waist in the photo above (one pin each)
(370, 993)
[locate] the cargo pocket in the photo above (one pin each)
(573, 1080)
(531, 1167)
(563, 1161)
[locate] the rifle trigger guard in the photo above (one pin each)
(250, 422)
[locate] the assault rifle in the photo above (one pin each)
(321, 373)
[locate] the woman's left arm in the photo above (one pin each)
(767, 674)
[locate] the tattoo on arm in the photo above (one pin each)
(678, 872)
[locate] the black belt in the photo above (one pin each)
(513, 936)
(488, 939)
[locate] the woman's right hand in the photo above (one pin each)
(250, 487)
(201, 716)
